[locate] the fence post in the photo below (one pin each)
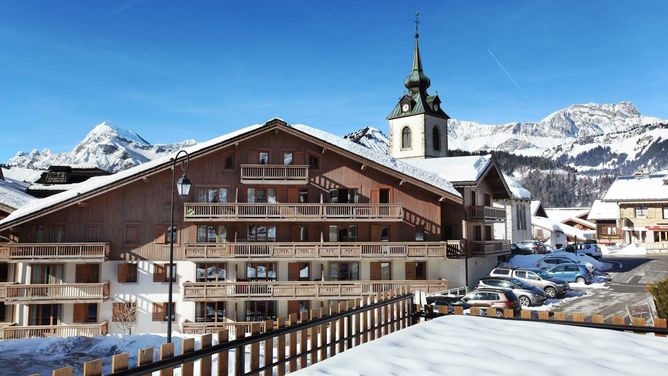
(560, 316)
(93, 368)
(355, 321)
(223, 356)
(349, 327)
(254, 350)
(65, 371)
(167, 352)
(364, 316)
(268, 349)
(660, 323)
(618, 320)
(280, 351)
(187, 345)
(459, 310)
(372, 319)
(145, 356)
(240, 355)
(315, 314)
(379, 316)
(598, 319)
(323, 336)
(205, 362)
(508, 313)
(491, 312)
(543, 315)
(332, 330)
(120, 362)
(292, 319)
(525, 314)
(303, 342)
(340, 329)
(475, 311)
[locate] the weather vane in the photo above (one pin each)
(417, 23)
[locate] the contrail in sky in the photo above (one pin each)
(507, 73)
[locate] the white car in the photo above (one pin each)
(589, 249)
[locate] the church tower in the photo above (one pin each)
(418, 125)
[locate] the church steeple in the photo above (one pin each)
(417, 80)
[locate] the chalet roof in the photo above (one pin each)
(518, 191)
(648, 187)
(564, 214)
(466, 170)
(553, 226)
(99, 183)
(601, 210)
(12, 196)
(537, 209)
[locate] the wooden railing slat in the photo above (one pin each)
(167, 352)
(120, 362)
(205, 363)
(187, 345)
(223, 356)
(268, 349)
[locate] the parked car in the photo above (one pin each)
(589, 249)
(527, 294)
(448, 301)
(571, 272)
(494, 298)
(553, 287)
(531, 246)
(562, 257)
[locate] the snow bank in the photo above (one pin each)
(465, 345)
(629, 250)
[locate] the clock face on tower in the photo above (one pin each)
(404, 107)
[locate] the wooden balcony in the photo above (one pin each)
(206, 291)
(50, 252)
(274, 174)
(189, 327)
(307, 250)
(57, 293)
(30, 331)
(489, 247)
(487, 213)
(293, 212)
(3, 290)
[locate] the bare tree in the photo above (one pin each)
(124, 316)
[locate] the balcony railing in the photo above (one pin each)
(3, 290)
(49, 252)
(274, 174)
(293, 212)
(489, 247)
(30, 331)
(57, 293)
(208, 291)
(487, 213)
(214, 327)
(221, 251)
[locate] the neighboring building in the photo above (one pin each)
(606, 217)
(61, 178)
(280, 218)
(643, 208)
(574, 217)
(518, 213)
(552, 231)
(12, 196)
(481, 183)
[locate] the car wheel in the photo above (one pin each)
(580, 280)
(524, 301)
(551, 292)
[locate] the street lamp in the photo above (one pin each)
(183, 187)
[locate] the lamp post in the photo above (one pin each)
(183, 187)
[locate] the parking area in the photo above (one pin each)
(625, 290)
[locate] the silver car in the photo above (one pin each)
(553, 287)
(528, 295)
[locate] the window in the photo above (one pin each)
(298, 271)
(212, 194)
(303, 233)
(477, 233)
(298, 306)
(265, 271)
(406, 138)
(352, 233)
(333, 233)
(54, 234)
(419, 233)
(132, 233)
(47, 273)
(313, 162)
(261, 195)
(665, 212)
(488, 199)
(380, 271)
(260, 310)
(303, 196)
(45, 314)
(210, 312)
(160, 273)
(211, 272)
(416, 270)
(211, 234)
(84, 313)
(261, 233)
(124, 312)
(288, 158)
(436, 138)
(160, 312)
(344, 271)
(127, 273)
(660, 236)
(641, 211)
(229, 162)
(263, 157)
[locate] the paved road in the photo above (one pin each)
(627, 287)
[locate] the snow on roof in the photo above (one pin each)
(535, 204)
(554, 225)
(12, 196)
(98, 182)
(564, 214)
(467, 345)
(652, 187)
(381, 158)
(454, 169)
(518, 191)
(22, 174)
(603, 210)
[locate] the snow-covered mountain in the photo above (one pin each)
(535, 138)
(370, 137)
(106, 146)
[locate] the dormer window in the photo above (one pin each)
(406, 138)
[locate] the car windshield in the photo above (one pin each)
(522, 284)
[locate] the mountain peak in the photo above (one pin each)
(370, 137)
(107, 130)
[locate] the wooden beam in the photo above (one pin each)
(323, 150)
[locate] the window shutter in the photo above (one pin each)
(123, 272)
(160, 234)
(375, 271)
(375, 233)
(79, 312)
(410, 271)
(374, 196)
(159, 273)
(293, 271)
(158, 312)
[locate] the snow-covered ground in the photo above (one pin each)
(629, 250)
(465, 345)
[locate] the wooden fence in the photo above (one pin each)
(284, 345)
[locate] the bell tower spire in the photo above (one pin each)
(417, 80)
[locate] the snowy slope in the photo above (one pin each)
(106, 146)
(370, 137)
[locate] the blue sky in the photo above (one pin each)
(173, 70)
